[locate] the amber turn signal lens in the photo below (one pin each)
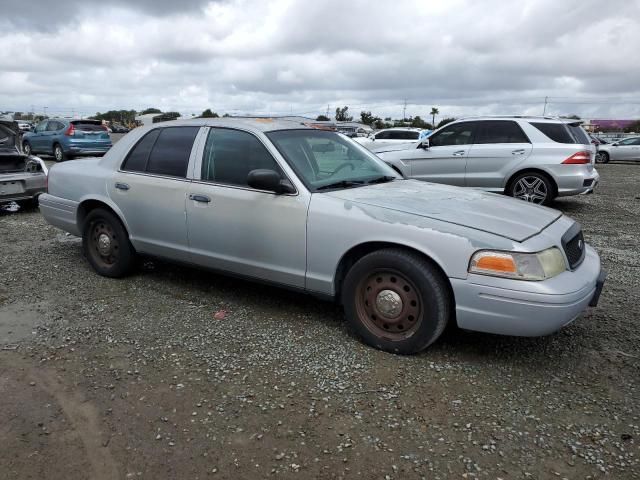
(496, 263)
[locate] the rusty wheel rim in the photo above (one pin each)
(389, 305)
(104, 244)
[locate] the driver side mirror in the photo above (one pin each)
(270, 180)
(424, 144)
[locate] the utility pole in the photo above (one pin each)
(327, 115)
(544, 110)
(404, 110)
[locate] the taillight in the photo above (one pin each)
(578, 158)
(70, 132)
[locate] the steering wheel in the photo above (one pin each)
(344, 165)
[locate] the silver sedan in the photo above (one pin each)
(311, 210)
(625, 150)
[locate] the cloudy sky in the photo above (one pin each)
(288, 56)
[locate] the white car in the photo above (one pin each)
(392, 136)
(24, 126)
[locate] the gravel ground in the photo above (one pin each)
(180, 373)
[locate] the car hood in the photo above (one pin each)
(392, 147)
(488, 212)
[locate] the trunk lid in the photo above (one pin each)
(492, 213)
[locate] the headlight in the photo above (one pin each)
(521, 266)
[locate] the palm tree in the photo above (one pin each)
(434, 112)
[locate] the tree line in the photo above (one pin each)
(366, 117)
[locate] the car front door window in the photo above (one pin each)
(229, 156)
(457, 134)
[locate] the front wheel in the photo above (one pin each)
(26, 148)
(533, 188)
(106, 244)
(396, 301)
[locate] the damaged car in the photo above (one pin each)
(22, 177)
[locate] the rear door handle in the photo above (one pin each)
(519, 151)
(122, 186)
(199, 198)
(459, 153)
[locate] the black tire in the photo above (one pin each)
(28, 204)
(413, 323)
(26, 148)
(602, 157)
(114, 258)
(58, 153)
(532, 187)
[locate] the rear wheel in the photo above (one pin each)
(106, 244)
(602, 157)
(58, 153)
(532, 187)
(396, 301)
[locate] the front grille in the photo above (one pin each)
(574, 247)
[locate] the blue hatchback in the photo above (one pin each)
(65, 139)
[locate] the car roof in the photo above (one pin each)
(541, 119)
(261, 124)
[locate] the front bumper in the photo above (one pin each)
(521, 308)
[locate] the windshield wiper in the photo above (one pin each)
(341, 184)
(382, 179)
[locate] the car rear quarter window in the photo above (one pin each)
(499, 131)
(229, 156)
(558, 132)
(136, 161)
(579, 134)
(171, 151)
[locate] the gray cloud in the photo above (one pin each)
(279, 57)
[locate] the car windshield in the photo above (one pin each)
(324, 160)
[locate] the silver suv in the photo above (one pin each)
(532, 158)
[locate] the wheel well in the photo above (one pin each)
(359, 251)
(554, 185)
(87, 206)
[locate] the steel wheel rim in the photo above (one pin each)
(531, 189)
(104, 245)
(380, 311)
(58, 153)
(27, 149)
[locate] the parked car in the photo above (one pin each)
(627, 150)
(531, 158)
(311, 210)
(65, 139)
(117, 128)
(24, 126)
(22, 178)
(597, 140)
(391, 136)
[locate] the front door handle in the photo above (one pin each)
(122, 186)
(199, 198)
(459, 153)
(519, 151)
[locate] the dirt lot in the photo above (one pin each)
(179, 373)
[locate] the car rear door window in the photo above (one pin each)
(136, 161)
(456, 134)
(229, 156)
(499, 131)
(53, 126)
(171, 151)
